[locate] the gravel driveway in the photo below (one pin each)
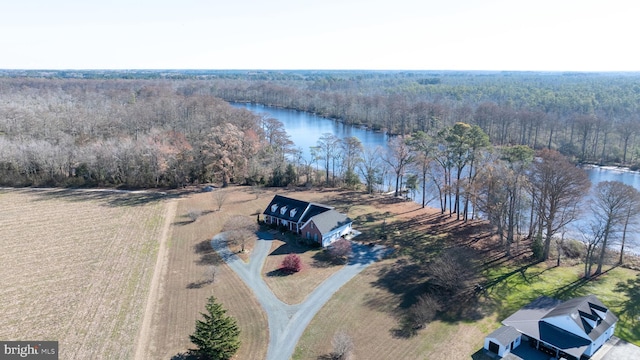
(287, 322)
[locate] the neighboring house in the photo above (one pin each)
(314, 221)
(574, 329)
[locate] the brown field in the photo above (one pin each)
(76, 268)
(183, 292)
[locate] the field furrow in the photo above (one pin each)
(76, 269)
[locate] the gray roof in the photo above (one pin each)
(531, 320)
(330, 220)
(505, 335)
(314, 209)
(585, 311)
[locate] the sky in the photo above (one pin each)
(518, 35)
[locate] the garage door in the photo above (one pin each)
(493, 347)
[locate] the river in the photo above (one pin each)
(305, 129)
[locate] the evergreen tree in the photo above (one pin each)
(217, 336)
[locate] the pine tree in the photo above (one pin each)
(217, 336)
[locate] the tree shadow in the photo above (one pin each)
(630, 308)
(208, 256)
(322, 259)
(110, 197)
(330, 356)
(280, 273)
(576, 288)
(187, 355)
(199, 284)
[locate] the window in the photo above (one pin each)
(293, 212)
(274, 207)
(283, 210)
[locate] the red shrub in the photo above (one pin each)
(291, 263)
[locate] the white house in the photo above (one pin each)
(574, 329)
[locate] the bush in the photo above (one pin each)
(424, 310)
(537, 247)
(291, 263)
(342, 346)
(573, 249)
(340, 249)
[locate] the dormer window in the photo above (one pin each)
(283, 210)
(274, 208)
(293, 212)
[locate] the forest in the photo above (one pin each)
(500, 143)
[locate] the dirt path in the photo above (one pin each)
(142, 342)
(288, 322)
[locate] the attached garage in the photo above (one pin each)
(503, 340)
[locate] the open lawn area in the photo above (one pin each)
(76, 268)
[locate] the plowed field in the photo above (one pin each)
(76, 268)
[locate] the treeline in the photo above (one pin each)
(591, 117)
(129, 133)
(532, 197)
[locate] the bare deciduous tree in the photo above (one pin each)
(220, 196)
(558, 187)
(398, 156)
(424, 310)
(194, 214)
(239, 229)
(342, 346)
(369, 168)
(613, 204)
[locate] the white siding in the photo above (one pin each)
(566, 323)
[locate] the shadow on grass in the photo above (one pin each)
(187, 355)
(630, 308)
(576, 288)
(208, 256)
(110, 197)
(322, 259)
(198, 284)
(280, 273)
(189, 220)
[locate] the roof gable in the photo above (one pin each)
(585, 316)
(505, 335)
(329, 220)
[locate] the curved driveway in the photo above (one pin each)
(287, 322)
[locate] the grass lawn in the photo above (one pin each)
(367, 313)
(294, 288)
(618, 288)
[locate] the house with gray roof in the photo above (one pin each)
(573, 329)
(317, 222)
